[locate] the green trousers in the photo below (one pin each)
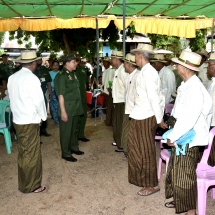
(69, 135)
(29, 157)
(83, 119)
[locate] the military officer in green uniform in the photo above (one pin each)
(6, 67)
(81, 74)
(43, 74)
(70, 107)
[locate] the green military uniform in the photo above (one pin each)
(43, 74)
(67, 85)
(81, 75)
(6, 69)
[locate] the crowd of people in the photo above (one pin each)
(136, 89)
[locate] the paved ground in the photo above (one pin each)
(96, 185)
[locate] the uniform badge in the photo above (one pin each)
(70, 78)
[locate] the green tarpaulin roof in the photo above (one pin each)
(67, 9)
(169, 17)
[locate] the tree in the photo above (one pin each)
(171, 43)
(1, 37)
(198, 42)
(82, 40)
(111, 35)
(66, 40)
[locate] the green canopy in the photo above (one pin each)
(67, 9)
(169, 17)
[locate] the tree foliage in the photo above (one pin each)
(198, 42)
(111, 35)
(171, 43)
(1, 37)
(82, 40)
(67, 40)
(131, 30)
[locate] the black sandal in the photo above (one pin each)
(170, 204)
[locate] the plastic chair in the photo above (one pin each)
(205, 176)
(89, 96)
(5, 114)
(164, 156)
(98, 106)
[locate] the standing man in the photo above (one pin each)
(107, 80)
(118, 94)
(192, 111)
(211, 90)
(82, 77)
(167, 77)
(202, 74)
(146, 115)
(70, 107)
(28, 108)
(43, 74)
(6, 67)
(131, 69)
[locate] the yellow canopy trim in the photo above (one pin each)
(170, 27)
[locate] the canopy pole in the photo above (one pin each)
(97, 49)
(212, 36)
(124, 25)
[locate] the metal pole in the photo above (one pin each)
(124, 26)
(97, 48)
(212, 36)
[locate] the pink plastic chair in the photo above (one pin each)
(164, 156)
(205, 177)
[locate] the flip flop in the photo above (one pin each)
(39, 189)
(146, 191)
(170, 204)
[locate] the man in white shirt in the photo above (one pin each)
(202, 74)
(131, 68)
(118, 93)
(192, 111)
(146, 115)
(28, 108)
(167, 77)
(107, 80)
(211, 90)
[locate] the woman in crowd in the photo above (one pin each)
(54, 99)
